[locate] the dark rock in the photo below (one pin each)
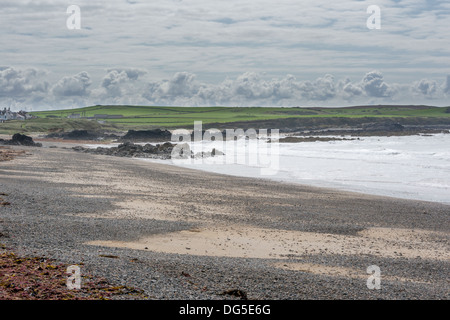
(236, 292)
(79, 148)
(216, 152)
(159, 151)
(19, 139)
(22, 139)
(149, 148)
(81, 135)
(147, 135)
(129, 149)
(391, 127)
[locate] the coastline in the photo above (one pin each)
(407, 167)
(75, 207)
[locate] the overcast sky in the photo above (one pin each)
(227, 52)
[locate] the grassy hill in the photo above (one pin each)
(147, 117)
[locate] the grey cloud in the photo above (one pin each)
(113, 78)
(131, 73)
(350, 90)
(116, 81)
(181, 86)
(251, 88)
(286, 87)
(374, 85)
(426, 87)
(76, 85)
(21, 83)
(28, 87)
(321, 89)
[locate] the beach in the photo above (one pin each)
(178, 233)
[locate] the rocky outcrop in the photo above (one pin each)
(147, 135)
(81, 135)
(388, 127)
(158, 151)
(19, 139)
(129, 149)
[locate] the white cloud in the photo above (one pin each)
(375, 86)
(16, 83)
(350, 90)
(251, 88)
(428, 88)
(321, 89)
(25, 89)
(118, 80)
(76, 85)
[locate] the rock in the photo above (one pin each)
(216, 152)
(149, 148)
(181, 151)
(159, 151)
(81, 135)
(78, 148)
(236, 292)
(166, 147)
(23, 140)
(390, 127)
(129, 149)
(147, 135)
(19, 139)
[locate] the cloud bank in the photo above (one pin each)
(29, 89)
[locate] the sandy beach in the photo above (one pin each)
(184, 234)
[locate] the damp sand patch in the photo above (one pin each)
(251, 242)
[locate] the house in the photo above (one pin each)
(74, 116)
(7, 114)
(25, 114)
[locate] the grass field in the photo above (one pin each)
(146, 117)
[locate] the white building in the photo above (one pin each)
(7, 114)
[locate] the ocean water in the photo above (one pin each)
(410, 167)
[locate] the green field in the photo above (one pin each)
(147, 117)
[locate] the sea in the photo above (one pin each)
(409, 167)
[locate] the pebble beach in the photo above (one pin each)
(177, 233)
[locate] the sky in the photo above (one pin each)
(223, 53)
